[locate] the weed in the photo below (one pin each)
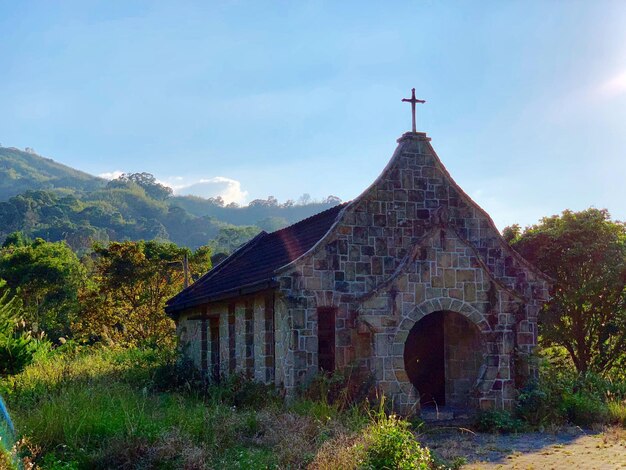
(498, 421)
(617, 412)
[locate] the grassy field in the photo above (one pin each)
(95, 407)
(106, 408)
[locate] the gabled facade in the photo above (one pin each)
(411, 281)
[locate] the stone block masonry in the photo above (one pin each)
(412, 245)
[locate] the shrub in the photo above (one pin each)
(498, 421)
(584, 409)
(539, 405)
(344, 388)
(390, 444)
(560, 394)
(17, 348)
(177, 374)
(617, 412)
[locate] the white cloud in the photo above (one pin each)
(111, 175)
(229, 189)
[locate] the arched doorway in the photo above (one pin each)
(442, 358)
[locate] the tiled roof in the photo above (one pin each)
(252, 267)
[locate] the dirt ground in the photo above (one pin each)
(570, 448)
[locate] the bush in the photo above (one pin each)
(177, 374)
(17, 347)
(617, 412)
(562, 395)
(345, 388)
(539, 405)
(390, 444)
(584, 409)
(498, 421)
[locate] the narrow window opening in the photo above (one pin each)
(232, 357)
(204, 343)
(249, 339)
(269, 339)
(326, 338)
(215, 348)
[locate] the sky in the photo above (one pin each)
(526, 100)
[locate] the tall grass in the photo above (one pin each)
(105, 408)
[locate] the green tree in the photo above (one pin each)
(46, 277)
(585, 253)
(232, 237)
(148, 182)
(131, 281)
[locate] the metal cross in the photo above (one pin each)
(413, 100)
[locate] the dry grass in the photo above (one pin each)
(340, 452)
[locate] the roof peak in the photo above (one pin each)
(417, 136)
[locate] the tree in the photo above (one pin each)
(585, 253)
(46, 277)
(304, 199)
(271, 224)
(232, 237)
(148, 182)
(332, 200)
(131, 283)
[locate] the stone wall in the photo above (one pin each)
(412, 244)
(246, 337)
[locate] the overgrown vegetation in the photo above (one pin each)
(85, 407)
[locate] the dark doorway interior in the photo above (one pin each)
(424, 360)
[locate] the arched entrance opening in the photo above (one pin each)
(442, 358)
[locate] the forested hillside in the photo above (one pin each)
(45, 199)
(25, 170)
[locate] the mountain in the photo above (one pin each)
(43, 198)
(22, 171)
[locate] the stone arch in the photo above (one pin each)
(443, 356)
(405, 393)
(445, 303)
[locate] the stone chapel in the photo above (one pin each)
(411, 281)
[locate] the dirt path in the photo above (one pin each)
(570, 448)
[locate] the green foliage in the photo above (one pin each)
(97, 407)
(616, 412)
(585, 252)
(57, 203)
(17, 348)
(131, 281)
(390, 444)
(271, 224)
(146, 181)
(498, 421)
(344, 388)
(46, 278)
(229, 239)
(584, 409)
(21, 171)
(561, 394)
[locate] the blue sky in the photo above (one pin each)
(526, 101)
